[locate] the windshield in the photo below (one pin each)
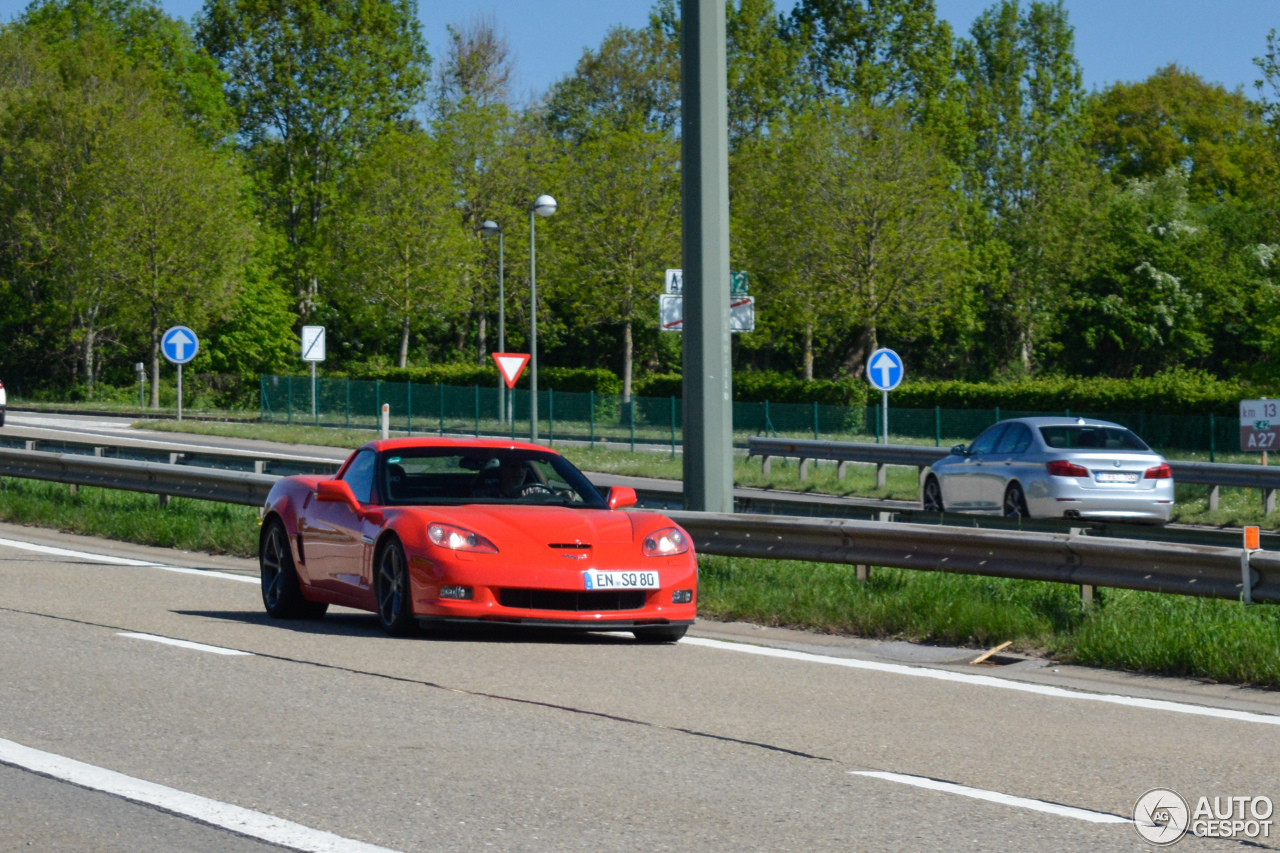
(434, 476)
(1091, 438)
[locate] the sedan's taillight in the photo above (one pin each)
(459, 539)
(1159, 472)
(1063, 468)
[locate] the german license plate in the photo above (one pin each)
(1114, 477)
(620, 580)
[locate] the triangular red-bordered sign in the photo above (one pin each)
(510, 365)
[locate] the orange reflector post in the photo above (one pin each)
(1251, 539)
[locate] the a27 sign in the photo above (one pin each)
(1259, 425)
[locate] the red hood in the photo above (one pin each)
(505, 525)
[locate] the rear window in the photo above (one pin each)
(1091, 438)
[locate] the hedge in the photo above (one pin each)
(757, 386)
(554, 378)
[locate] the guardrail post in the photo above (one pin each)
(162, 501)
(1268, 501)
(29, 445)
(1086, 594)
(804, 469)
(841, 469)
(176, 458)
(766, 465)
(881, 475)
(1214, 495)
(99, 451)
(862, 573)
(1246, 578)
(259, 466)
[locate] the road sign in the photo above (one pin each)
(179, 345)
(313, 343)
(742, 313)
(510, 365)
(1259, 425)
(885, 370)
(675, 283)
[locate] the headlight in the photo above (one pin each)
(459, 539)
(666, 542)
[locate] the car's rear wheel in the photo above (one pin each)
(391, 585)
(660, 633)
(281, 589)
(931, 496)
(1015, 502)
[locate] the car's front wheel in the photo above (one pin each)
(281, 589)
(660, 633)
(931, 495)
(1015, 502)
(391, 584)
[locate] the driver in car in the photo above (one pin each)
(511, 481)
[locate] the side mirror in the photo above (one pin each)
(621, 497)
(960, 450)
(338, 492)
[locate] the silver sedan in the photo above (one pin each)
(1053, 468)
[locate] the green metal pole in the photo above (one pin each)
(997, 414)
(815, 420)
(877, 423)
(592, 402)
(408, 405)
(704, 157)
(937, 426)
(632, 408)
(551, 416)
(348, 420)
(441, 396)
(476, 389)
(1212, 437)
(377, 402)
(262, 398)
(290, 420)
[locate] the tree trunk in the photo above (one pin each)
(627, 357)
(808, 352)
(480, 342)
(1024, 349)
(404, 341)
(90, 341)
(857, 356)
(155, 363)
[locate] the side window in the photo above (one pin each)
(1017, 438)
(359, 475)
(984, 443)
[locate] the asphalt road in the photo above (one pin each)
(737, 739)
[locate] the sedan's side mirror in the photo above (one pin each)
(621, 497)
(338, 492)
(960, 450)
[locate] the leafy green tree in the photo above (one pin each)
(400, 242)
(1174, 119)
(313, 83)
(620, 231)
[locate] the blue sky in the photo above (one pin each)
(1115, 39)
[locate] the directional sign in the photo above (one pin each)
(179, 345)
(510, 365)
(675, 283)
(313, 343)
(742, 313)
(1259, 425)
(885, 370)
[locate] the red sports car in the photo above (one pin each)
(425, 529)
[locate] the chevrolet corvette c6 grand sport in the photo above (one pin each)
(425, 529)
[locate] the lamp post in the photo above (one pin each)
(544, 206)
(488, 228)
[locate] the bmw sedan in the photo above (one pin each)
(1053, 468)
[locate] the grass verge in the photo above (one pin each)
(1219, 640)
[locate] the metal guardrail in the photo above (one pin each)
(1196, 570)
(1182, 569)
(154, 451)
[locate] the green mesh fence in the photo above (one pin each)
(609, 420)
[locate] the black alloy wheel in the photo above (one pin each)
(931, 498)
(1015, 502)
(391, 585)
(660, 633)
(281, 590)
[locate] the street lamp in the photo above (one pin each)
(488, 228)
(544, 206)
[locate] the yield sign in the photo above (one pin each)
(511, 365)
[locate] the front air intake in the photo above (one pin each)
(579, 602)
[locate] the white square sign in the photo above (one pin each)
(313, 343)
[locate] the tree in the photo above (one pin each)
(1174, 119)
(619, 233)
(313, 83)
(401, 244)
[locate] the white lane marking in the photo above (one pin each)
(120, 561)
(990, 681)
(213, 812)
(995, 797)
(183, 644)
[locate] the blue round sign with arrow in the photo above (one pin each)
(885, 370)
(179, 345)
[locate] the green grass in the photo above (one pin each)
(1143, 632)
(1219, 640)
(191, 525)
